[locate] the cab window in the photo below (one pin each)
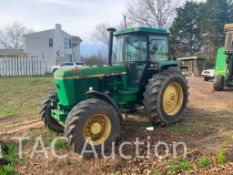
(229, 42)
(132, 48)
(159, 48)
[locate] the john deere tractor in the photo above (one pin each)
(224, 62)
(89, 102)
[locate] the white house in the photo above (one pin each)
(54, 45)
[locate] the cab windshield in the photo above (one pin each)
(229, 42)
(131, 48)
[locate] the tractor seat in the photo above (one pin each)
(133, 75)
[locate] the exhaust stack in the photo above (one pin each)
(111, 32)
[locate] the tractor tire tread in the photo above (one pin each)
(152, 94)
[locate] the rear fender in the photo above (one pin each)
(169, 66)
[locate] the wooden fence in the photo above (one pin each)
(22, 67)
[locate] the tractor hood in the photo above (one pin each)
(89, 72)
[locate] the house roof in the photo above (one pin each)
(34, 33)
(76, 39)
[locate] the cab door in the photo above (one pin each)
(135, 49)
(229, 53)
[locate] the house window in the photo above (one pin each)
(71, 58)
(67, 43)
(50, 42)
(68, 58)
(70, 43)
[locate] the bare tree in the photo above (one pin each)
(125, 23)
(152, 13)
(13, 36)
(100, 33)
(95, 59)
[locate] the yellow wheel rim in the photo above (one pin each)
(97, 128)
(173, 99)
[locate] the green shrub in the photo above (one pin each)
(184, 165)
(7, 170)
(12, 154)
(11, 157)
(154, 171)
(204, 162)
(61, 144)
(177, 165)
(220, 158)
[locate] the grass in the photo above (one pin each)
(178, 165)
(21, 96)
(220, 158)
(155, 171)
(7, 170)
(178, 130)
(46, 134)
(204, 162)
(61, 144)
(11, 157)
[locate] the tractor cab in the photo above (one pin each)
(229, 38)
(141, 48)
(229, 49)
(224, 62)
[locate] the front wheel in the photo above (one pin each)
(166, 96)
(219, 83)
(92, 122)
(46, 108)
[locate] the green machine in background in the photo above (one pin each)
(224, 62)
(89, 101)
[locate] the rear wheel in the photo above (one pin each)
(46, 108)
(219, 83)
(206, 78)
(92, 119)
(166, 96)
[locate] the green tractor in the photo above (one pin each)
(224, 62)
(89, 102)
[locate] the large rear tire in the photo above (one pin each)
(166, 96)
(206, 79)
(46, 108)
(219, 83)
(93, 119)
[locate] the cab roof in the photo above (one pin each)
(141, 29)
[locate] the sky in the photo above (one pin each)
(77, 17)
